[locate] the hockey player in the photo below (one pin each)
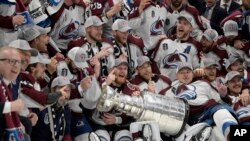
(13, 16)
(204, 103)
(235, 88)
(95, 45)
(83, 99)
(211, 50)
(184, 48)
(126, 45)
(177, 8)
(236, 63)
(151, 31)
(146, 80)
(115, 121)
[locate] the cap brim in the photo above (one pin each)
(207, 37)
(125, 29)
(209, 65)
(144, 63)
(33, 52)
(81, 64)
(238, 75)
(45, 61)
(184, 18)
(231, 34)
(45, 30)
(122, 63)
(185, 67)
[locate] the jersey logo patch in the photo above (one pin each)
(70, 31)
(171, 61)
(157, 27)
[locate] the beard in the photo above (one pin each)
(95, 38)
(61, 103)
(176, 3)
(120, 80)
(182, 35)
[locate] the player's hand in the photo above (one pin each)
(52, 66)
(104, 52)
(111, 77)
(18, 20)
(245, 97)
(151, 86)
(17, 105)
(143, 4)
(86, 83)
(238, 44)
(33, 118)
(108, 118)
(222, 89)
(199, 72)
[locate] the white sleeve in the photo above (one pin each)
(200, 100)
(136, 22)
(81, 91)
(7, 107)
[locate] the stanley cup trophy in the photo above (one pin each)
(171, 114)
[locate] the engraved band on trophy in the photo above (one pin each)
(170, 113)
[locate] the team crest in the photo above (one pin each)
(70, 31)
(172, 60)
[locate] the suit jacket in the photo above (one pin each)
(234, 6)
(215, 17)
(218, 14)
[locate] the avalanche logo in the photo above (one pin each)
(171, 60)
(70, 31)
(186, 92)
(157, 27)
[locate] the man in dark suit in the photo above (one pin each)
(215, 14)
(228, 5)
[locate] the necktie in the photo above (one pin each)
(225, 7)
(206, 14)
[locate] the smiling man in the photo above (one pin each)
(183, 49)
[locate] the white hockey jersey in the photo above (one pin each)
(69, 26)
(149, 25)
(170, 53)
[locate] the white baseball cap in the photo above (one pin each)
(231, 60)
(183, 65)
(121, 25)
(210, 62)
(32, 33)
(232, 74)
(142, 59)
(120, 61)
(79, 56)
(230, 28)
(93, 21)
(23, 45)
(39, 59)
(61, 81)
(210, 34)
(187, 17)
